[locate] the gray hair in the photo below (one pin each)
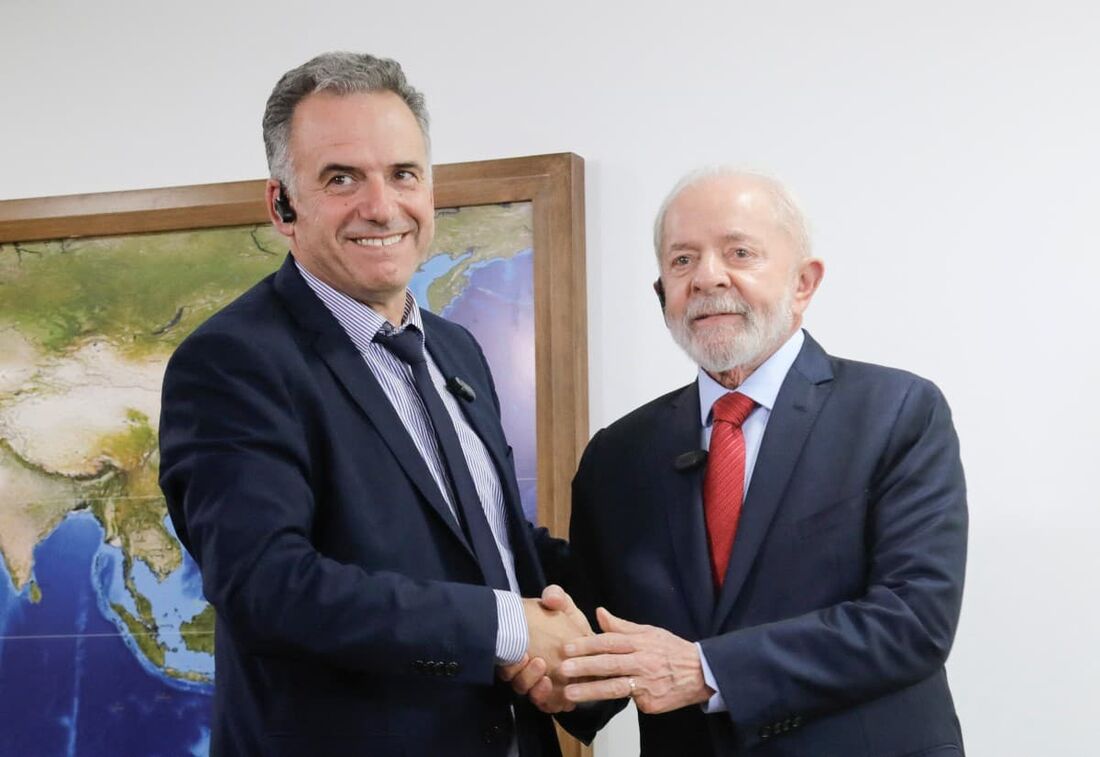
(787, 211)
(341, 73)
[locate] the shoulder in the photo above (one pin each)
(868, 385)
(255, 326)
(685, 396)
(874, 385)
(257, 309)
(648, 419)
(869, 401)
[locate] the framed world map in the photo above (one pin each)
(106, 643)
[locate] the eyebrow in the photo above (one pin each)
(339, 168)
(739, 236)
(678, 246)
(331, 168)
(732, 237)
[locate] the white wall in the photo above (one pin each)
(946, 153)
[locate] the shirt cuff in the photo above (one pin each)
(716, 703)
(511, 628)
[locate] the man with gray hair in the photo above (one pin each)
(786, 535)
(332, 456)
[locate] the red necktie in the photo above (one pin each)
(724, 483)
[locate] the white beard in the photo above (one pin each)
(722, 347)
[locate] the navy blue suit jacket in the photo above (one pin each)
(829, 635)
(352, 617)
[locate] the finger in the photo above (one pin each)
(541, 695)
(596, 691)
(508, 672)
(609, 622)
(555, 598)
(604, 643)
(529, 677)
(601, 666)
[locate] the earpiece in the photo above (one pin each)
(659, 288)
(283, 208)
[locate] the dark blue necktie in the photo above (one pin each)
(408, 347)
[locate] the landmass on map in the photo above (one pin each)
(473, 235)
(86, 328)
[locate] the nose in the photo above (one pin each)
(376, 201)
(710, 273)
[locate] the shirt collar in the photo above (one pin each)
(761, 386)
(361, 321)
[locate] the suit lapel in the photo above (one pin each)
(343, 359)
(807, 385)
(484, 421)
(683, 503)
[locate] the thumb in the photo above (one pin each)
(612, 624)
(555, 598)
(508, 672)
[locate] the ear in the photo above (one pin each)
(808, 279)
(659, 288)
(271, 191)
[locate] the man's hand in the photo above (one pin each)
(658, 669)
(528, 678)
(551, 621)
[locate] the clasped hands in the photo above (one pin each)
(566, 663)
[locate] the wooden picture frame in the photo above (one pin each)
(553, 184)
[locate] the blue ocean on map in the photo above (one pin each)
(498, 307)
(69, 675)
(73, 682)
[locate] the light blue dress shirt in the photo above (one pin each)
(762, 386)
(361, 324)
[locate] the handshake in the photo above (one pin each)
(566, 663)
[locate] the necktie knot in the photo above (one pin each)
(406, 345)
(733, 407)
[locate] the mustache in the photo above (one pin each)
(716, 304)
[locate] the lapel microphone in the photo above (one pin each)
(461, 389)
(690, 460)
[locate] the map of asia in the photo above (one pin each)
(106, 642)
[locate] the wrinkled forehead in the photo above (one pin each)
(378, 121)
(720, 207)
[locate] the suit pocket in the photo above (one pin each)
(831, 516)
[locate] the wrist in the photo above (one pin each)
(512, 634)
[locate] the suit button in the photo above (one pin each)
(797, 721)
(437, 668)
(452, 669)
(766, 732)
(418, 666)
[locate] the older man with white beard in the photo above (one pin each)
(778, 548)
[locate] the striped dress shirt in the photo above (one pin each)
(396, 378)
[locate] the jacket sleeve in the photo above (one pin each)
(584, 582)
(238, 477)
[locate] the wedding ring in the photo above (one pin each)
(633, 686)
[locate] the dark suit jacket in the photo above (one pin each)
(829, 636)
(352, 618)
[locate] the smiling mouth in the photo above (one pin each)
(709, 316)
(379, 241)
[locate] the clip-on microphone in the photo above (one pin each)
(461, 389)
(690, 460)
